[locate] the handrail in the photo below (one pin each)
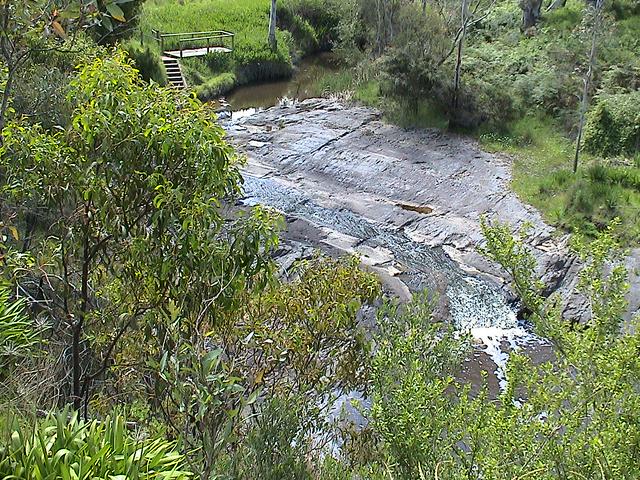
(193, 39)
(185, 37)
(222, 32)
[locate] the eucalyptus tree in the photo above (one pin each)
(24, 24)
(135, 185)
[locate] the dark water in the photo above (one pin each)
(301, 86)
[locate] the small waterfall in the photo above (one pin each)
(476, 306)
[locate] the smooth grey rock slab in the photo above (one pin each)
(346, 157)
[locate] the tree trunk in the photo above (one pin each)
(530, 13)
(273, 42)
(584, 104)
(456, 79)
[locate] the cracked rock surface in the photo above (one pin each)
(405, 200)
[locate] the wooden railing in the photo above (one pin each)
(194, 40)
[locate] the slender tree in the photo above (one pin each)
(588, 76)
(464, 15)
(273, 42)
(531, 13)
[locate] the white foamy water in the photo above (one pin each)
(239, 114)
(498, 343)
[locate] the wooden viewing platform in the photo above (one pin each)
(194, 44)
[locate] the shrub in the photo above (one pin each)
(216, 86)
(70, 448)
(613, 125)
(276, 447)
(315, 21)
(147, 61)
(301, 30)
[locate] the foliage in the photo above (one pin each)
(313, 23)
(64, 447)
(412, 370)
(137, 180)
(302, 336)
(119, 20)
(302, 32)
(277, 445)
(41, 83)
(147, 61)
(613, 125)
(18, 337)
(572, 416)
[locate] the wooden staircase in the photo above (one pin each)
(174, 72)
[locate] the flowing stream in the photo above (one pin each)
(476, 306)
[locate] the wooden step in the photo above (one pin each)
(174, 72)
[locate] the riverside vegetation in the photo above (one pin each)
(145, 334)
(469, 66)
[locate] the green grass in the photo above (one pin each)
(542, 176)
(252, 59)
(216, 86)
(368, 93)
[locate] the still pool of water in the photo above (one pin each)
(302, 85)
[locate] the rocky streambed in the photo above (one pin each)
(409, 203)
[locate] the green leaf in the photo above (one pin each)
(116, 12)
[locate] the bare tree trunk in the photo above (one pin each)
(584, 104)
(531, 13)
(84, 309)
(389, 11)
(464, 13)
(380, 26)
(273, 42)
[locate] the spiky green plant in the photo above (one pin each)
(64, 447)
(17, 335)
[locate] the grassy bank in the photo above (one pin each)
(252, 59)
(587, 201)
(303, 27)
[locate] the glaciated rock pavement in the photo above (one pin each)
(408, 201)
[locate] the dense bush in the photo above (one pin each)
(313, 23)
(18, 337)
(147, 60)
(305, 36)
(613, 125)
(573, 414)
(40, 89)
(111, 26)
